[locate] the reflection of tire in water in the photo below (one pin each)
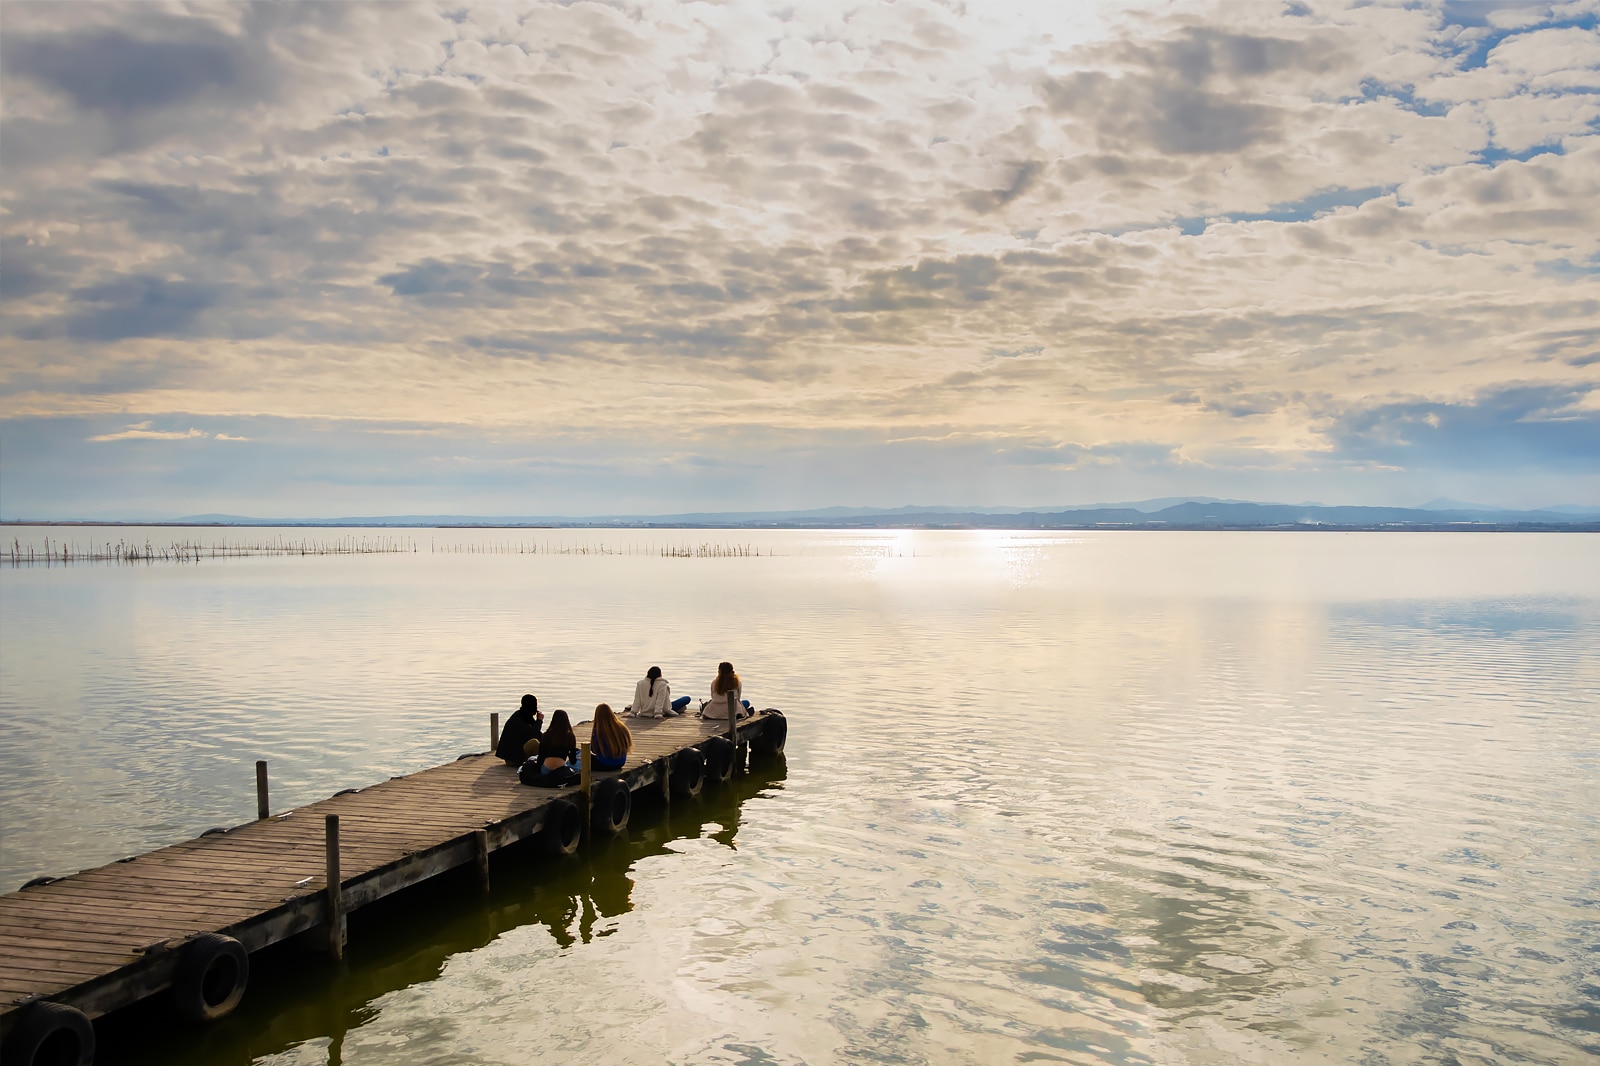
(688, 772)
(774, 731)
(719, 758)
(211, 977)
(612, 803)
(563, 827)
(48, 1034)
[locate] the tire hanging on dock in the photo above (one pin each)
(50, 1034)
(719, 758)
(211, 977)
(774, 731)
(688, 772)
(612, 803)
(563, 827)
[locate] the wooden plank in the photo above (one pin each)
(133, 909)
(135, 929)
(29, 946)
(157, 878)
(41, 959)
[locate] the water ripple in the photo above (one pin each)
(1090, 799)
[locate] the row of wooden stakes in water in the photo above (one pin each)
(66, 552)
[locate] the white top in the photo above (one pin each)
(651, 705)
(718, 707)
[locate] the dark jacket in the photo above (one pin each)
(520, 728)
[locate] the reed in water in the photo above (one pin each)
(55, 552)
(670, 551)
(65, 552)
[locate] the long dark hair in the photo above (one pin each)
(726, 679)
(653, 673)
(560, 732)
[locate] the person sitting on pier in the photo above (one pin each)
(652, 696)
(520, 739)
(609, 739)
(724, 683)
(558, 752)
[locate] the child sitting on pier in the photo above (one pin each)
(521, 736)
(609, 739)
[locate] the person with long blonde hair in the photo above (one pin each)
(609, 740)
(725, 682)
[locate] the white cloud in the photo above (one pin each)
(142, 431)
(812, 221)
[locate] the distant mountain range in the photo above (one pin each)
(1184, 512)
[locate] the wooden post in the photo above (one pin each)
(494, 731)
(480, 842)
(666, 780)
(733, 729)
(262, 808)
(335, 890)
(585, 758)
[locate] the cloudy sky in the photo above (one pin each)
(579, 258)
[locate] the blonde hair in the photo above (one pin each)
(609, 736)
(726, 679)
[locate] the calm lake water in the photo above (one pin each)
(1085, 798)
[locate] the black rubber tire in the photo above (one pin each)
(37, 881)
(563, 827)
(50, 1034)
(688, 772)
(774, 731)
(211, 977)
(610, 805)
(719, 759)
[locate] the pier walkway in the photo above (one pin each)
(105, 938)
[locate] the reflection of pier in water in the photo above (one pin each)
(408, 939)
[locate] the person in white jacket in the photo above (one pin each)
(652, 697)
(725, 682)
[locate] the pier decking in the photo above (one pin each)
(105, 938)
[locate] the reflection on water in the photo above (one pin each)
(1119, 798)
(305, 1008)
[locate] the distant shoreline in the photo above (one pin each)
(1065, 527)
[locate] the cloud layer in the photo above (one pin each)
(1314, 250)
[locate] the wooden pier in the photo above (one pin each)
(184, 919)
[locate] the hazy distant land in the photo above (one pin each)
(1182, 513)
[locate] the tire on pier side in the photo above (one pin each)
(774, 731)
(211, 977)
(563, 827)
(688, 772)
(719, 758)
(48, 1034)
(611, 804)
